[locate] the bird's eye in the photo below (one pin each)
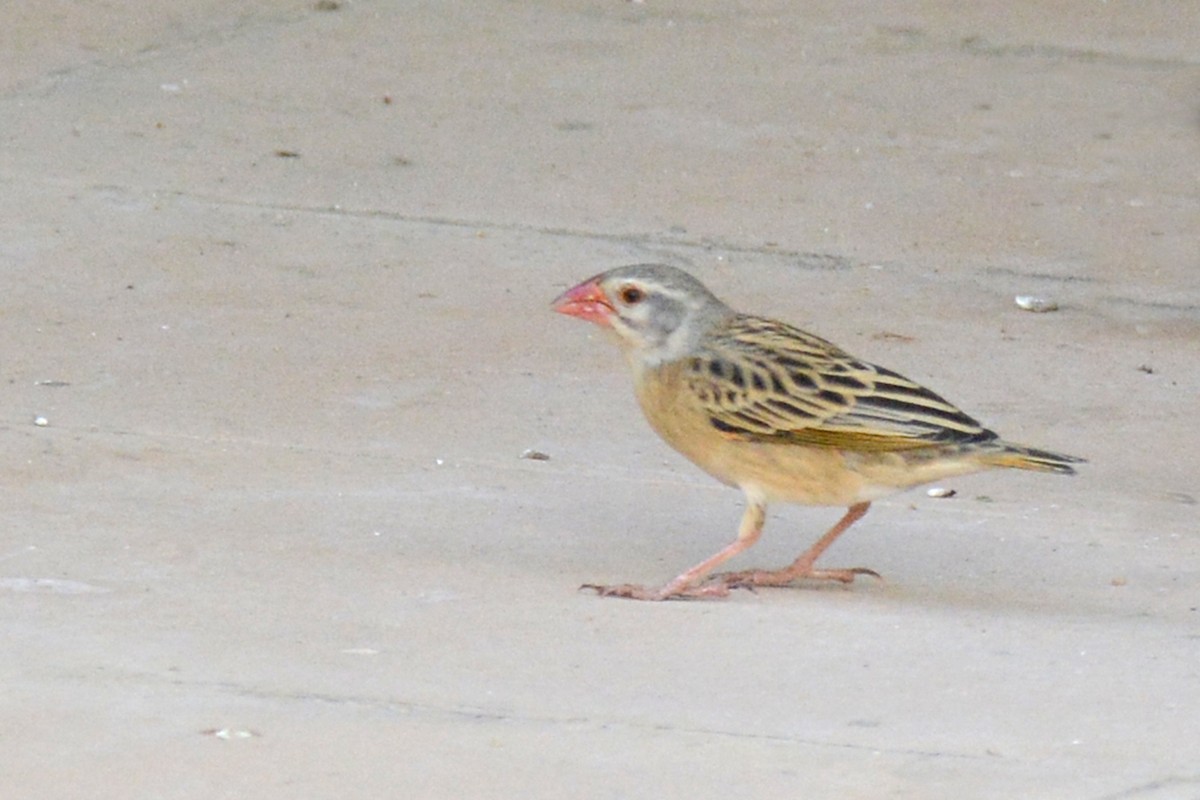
(632, 295)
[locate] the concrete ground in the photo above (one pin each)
(276, 281)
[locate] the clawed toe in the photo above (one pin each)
(748, 579)
(842, 575)
(632, 591)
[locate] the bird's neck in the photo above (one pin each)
(678, 344)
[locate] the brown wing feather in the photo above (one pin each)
(764, 380)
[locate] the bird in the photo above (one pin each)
(780, 413)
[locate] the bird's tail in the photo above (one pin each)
(1019, 457)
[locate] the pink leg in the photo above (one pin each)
(802, 567)
(686, 584)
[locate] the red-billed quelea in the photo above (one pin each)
(781, 414)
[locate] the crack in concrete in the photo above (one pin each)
(806, 260)
(475, 713)
(979, 46)
(1153, 787)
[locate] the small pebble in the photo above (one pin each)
(941, 491)
(230, 733)
(41, 422)
(1038, 305)
(535, 455)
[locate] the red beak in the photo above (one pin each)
(586, 301)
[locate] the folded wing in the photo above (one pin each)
(766, 381)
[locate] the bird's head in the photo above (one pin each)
(659, 313)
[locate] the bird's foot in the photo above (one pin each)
(748, 579)
(670, 591)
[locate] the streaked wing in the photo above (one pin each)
(764, 380)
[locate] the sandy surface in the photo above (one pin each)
(277, 280)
